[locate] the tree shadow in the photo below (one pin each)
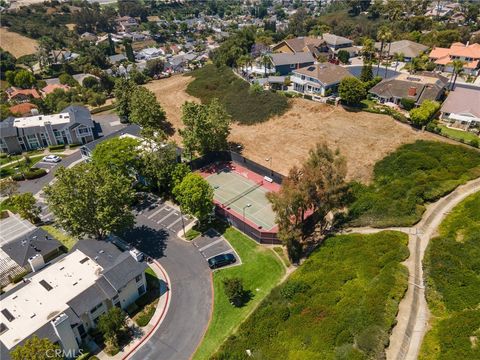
(168, 128)
(150, 241)
(235, 146)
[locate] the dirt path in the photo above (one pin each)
(413, 313)
(363, 138)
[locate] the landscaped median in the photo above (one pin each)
(260, 271)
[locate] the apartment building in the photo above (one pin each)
(65, 299)
(73, 125)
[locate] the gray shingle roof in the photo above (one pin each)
(326, 73)
(132, 129)
(287, 59)
(463, 101)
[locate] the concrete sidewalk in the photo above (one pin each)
(142, 335)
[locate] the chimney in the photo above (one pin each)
(412, 91)
(36, 262)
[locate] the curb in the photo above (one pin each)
(160, 319)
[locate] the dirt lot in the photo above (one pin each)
(16, 44)
(363, 138)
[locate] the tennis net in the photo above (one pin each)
(242, 194)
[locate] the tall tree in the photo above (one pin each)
(26, 206)
(88, 200)
(146, 111)
(129, 51)
(38, 349)
(384, 35)
(111, 324)
(195, 196)
(367, 72)
(123, 93)
(119, 155)
(352, 90)
(457, 66)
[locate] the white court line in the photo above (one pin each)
(211, 244)
(156, 212)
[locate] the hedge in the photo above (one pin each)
(34, 173)
(73, 146)
(56, 147)
(102, 108)
(18, 177)
(17, 278)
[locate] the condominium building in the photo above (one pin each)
(73, 125)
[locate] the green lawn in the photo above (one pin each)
(452, 268)
(66, 240)
(243, 105)
(410, 177)
(340, 304)
(6, 159)
(458, 134)
(261, 270)
(11, 169)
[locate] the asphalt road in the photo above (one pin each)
(188, 315)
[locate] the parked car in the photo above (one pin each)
(52, 159)
(221, 260)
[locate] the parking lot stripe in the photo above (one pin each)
(166, 216)
(211, 244)
(175, 222)
(156, 212)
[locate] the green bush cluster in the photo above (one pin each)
(342, 300)
(73, 146)
(452, 269)
(56, 147)
(243, 105)
(34, 173)
(407, 179)
(424, 113)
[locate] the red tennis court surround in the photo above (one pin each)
(239, 196)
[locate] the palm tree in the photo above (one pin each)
(398, 57)
(384, 35)
(368, 50)
(457, 66)
(266, 60)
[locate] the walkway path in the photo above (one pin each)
(142, 335)
(413, 314)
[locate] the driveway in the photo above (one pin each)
(188, 316)
(212, 244)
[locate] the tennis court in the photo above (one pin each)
(237, 193)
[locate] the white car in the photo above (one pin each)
(52, 159)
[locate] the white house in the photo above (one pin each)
(317, 79)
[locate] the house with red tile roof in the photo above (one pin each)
(23, 109)
(470, 54)
(21, 95)
(50, 88)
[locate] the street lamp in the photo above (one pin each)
(269, 160)
(183, 224)
(246, 206)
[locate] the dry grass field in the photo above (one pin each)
(16, 44)
(363, 138)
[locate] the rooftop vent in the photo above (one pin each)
(3, 328)
(8, 315)
(311, 68)
(84, 260)
(411, 78)
(46, 285)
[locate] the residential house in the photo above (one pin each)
(24, 109)
(88, 36)
(418, 87)
(336, 43)
(52, 87)
(73, 125)
(314, 45)
(407, 48)
(114, 59)
(126, 23)
(462, 108)
(149, 53)
(469, 53)
(441, 10)
(63, 56)
(285, 63)
(65, 299)
(22, 245)
(318, 79)
(21, 95)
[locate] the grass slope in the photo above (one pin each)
(408, 178)
(452, 267)
(261, 270)
(341, 303)
(458, 134)
(244, 106)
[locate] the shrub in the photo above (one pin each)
(352, 90)
(34, 173)
(234, 290)
(423, 114)
(474, 143)
(18, 277)
(56, 147)
(73, 146)
(407, 104)
(18, 177)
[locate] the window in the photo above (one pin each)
(98, 306)
(32, 141)
(138, 278)
(141, 290)
(84, 131)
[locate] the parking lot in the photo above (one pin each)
(212, 244)
(164, 215)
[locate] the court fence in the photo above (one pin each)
(262, 236)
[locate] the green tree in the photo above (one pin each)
(123, 93)
(91, 82)
(24, 79)
(37, 349)
(207, 127)
(129, 51)
(343, 56)
(234, 290)
(457, 66)
(88, 200)
(111, 45)
(181, 170)
(111, 324)
(119, 155)
(7, 62)
(67, 79)
(195, 196)
(384, 35)
(26, 206)
(367, 73)
(4, 111)
(146, 111)
(352, 90)
(422, 115)
(154, 67)
(8, 187)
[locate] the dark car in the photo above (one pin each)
(221, 260)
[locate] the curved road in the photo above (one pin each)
(413, 314)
